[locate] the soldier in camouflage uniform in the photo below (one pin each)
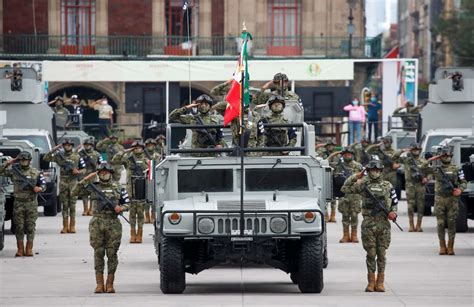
(449, 184)
(25, 206)
(360, 150)
(278, 86)
(375, 225)
(220, 91)
(152, 154)
(161, 145)
(72, 166)
(409, 114)
(276, 137)
(111, 146)
(385, 153)
(324, 150)
(105, 229)
(136, 164)
(415, 183)
(200, 139)
(91, 159)
(349, 205)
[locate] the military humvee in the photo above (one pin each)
(205, 216)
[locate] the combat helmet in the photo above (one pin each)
(105, 167)
(374, 164)
(205, 98)
(276, 98)
(24, 155)
(137, 143)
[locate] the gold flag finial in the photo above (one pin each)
(244, 28)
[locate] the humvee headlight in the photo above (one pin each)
(298, 216)
(206, 225)
(278, 224)
(174, 218)
(309, 217)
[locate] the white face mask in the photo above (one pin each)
(355, 102)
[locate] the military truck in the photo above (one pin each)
(205, 216)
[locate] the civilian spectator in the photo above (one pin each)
(105, 115)
(373, 107)
(356, 119)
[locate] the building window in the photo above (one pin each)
(78, 26)
(284, 27)
(177, 26)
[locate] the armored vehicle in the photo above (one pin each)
(207, 213)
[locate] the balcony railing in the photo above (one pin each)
(25, 45)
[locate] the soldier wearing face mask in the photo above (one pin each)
(449, 185)
(111, 146)
(385, 152)
(202, 138)
(276, 136)
(91, 159)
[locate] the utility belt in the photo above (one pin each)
(105, 214)
(25, 199)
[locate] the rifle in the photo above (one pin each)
(268, 132)
(67, 165)
(205, 131)
(379, 205)
(137, 171)
(446, 184)
(345, 171)
(87, 159)
(387, 161)
(415, 172)
(105, 201)
(26, 184)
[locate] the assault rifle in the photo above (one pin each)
(104, 201)
(379, 205)
(205, 131)
(26, 184)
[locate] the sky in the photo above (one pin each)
(380, 14)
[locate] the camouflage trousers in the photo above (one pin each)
(350, 207)
(415, 199)
(68, 200)
(137, 210)
(446, 210)
(25, 214)
(105, 234)
(147, 207)
(375, 240)
(333, 205)
(117, 173)
(390, 176)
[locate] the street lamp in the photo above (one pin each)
(350, 27)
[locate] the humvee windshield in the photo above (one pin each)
(208, 180)
(282, 179)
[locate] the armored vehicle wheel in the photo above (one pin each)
(461, 220)
(172, 275)
(325, 254)
(310, 264)
(294, 277)
(2, 238)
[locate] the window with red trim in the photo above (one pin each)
(177, 27)
(284, 24)
(78, 26)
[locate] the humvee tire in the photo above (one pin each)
(294, 277)
(2, 238)
(172, 274)
(310, 265)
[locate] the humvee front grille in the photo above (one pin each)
(254, 225)
(226, 205)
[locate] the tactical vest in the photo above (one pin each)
(22, 191)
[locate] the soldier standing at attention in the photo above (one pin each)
(111, 146)
(349, 205)
(385, 153)
(161, 145)
(152, 154)
(105, 229)
(136, 164)
(449, 184)
(27, 183)
(415, 183)
(278, 86)
(72, 166)
(360, 150)
(375, 225)
(91, 159)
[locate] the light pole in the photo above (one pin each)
(350, 27)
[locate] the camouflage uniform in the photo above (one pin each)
(361, 154)
(67, 161)
(161, 146)
(262, 96)
(324, 153)
(414, 186)
(375, 227)
(136, 166)
(25, 205)
(386, 157)
(220, 91)
(105, 229)
(111, 148)
(409, 121)
(446, 204)
(349, 205)
(155, 156)
(91, 159)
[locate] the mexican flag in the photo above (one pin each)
(234, 96)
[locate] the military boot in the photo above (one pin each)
(72, 225)
(451, 247)
(139, 235)
(147, 218)
(418, 224)
(29, 248)
(65, 225)
(133, 235)
(99, 279)
(371, 282)
(379, 286)
(354, 238)
(411, 227)
(345, 235)
(109, 287)
(442, 247)
(21, 248)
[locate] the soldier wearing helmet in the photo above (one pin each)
(349, 204)
(111, 146)
(385, 153)
(277, 86)
(202, 138)
(276, 136)
(409, 114)
(135, 162)
(375, 227)
(25, 205)
(360, 150)
(105, 229)
(91, 159)
(72, 166)
(415, 180)
(161, 145)
(449, 185)
(153, 155)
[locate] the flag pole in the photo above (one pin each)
(242, 168)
